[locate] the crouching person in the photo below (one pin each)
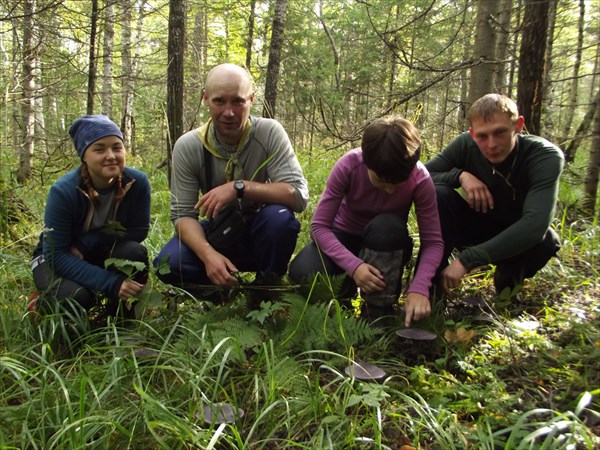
(360, 224)
(250, 182)
(98, 211)
(496, 191)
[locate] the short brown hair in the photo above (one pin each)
(391, 147)
(490, 104)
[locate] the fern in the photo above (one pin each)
(323, 326)
(223, 323)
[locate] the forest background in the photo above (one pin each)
(325, 70)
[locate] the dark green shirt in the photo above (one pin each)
(524, 187)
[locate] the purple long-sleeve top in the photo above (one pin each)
(349, 202)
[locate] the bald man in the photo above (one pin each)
(233, 159)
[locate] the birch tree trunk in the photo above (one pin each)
(93, 62)
(127, 76)
(107, 57)
(29, 63)
(274, 58)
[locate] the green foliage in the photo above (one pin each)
(323, 326)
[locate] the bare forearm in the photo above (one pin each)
(279, 193)
(192, 234)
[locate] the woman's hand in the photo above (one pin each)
(368, 278)
(130, 288)
(417, 307)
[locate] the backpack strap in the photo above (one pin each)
(207, 169)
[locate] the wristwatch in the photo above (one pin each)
(239, 187)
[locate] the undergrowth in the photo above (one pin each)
(515, 375)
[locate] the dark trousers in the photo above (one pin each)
(462, 227)
(271, 239)
(47, 282)
(385, 233)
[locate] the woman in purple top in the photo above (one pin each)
(360, 224)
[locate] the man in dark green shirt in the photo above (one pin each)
(496, 191)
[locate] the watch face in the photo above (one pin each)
(239, 187)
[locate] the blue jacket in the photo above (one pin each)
(67, 219)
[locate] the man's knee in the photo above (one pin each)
(276, 222)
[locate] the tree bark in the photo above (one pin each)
(93, 62)
(127, 79)
(574, 88)
(504, 16)
(176, 45)
(484, 50)
(590, 185)
(547, 95)
(250, 37)
(107, 57)
(274, 58)
(29, 63)
(532, 59)
(582, 130)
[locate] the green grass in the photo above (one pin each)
(526, 378)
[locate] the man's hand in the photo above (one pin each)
(219, 268)
(417, 307)
(479, 196)
(129, 288)
(368, 278)
(211, 203)
(452, 275)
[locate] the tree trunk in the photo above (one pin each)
(504, 16)
(127, 76)
(29, 63)
(484, 50)
(334, 49)
(582, 130)
(250, 37)
(590, 186)
(274, 58)
(195, 83)
(93, 62)
(532, 58)
(107, 57)
(548, 97)
(176, 46)
(513, 63)
(572, 99)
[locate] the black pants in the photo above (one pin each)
(463, 227)
(385, 233)
(48, 283)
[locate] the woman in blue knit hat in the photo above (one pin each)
(98, 211)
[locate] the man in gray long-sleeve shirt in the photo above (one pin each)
(509, 182)
(250, 162)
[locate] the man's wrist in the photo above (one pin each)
(240, 187)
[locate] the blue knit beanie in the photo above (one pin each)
(88, 129)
